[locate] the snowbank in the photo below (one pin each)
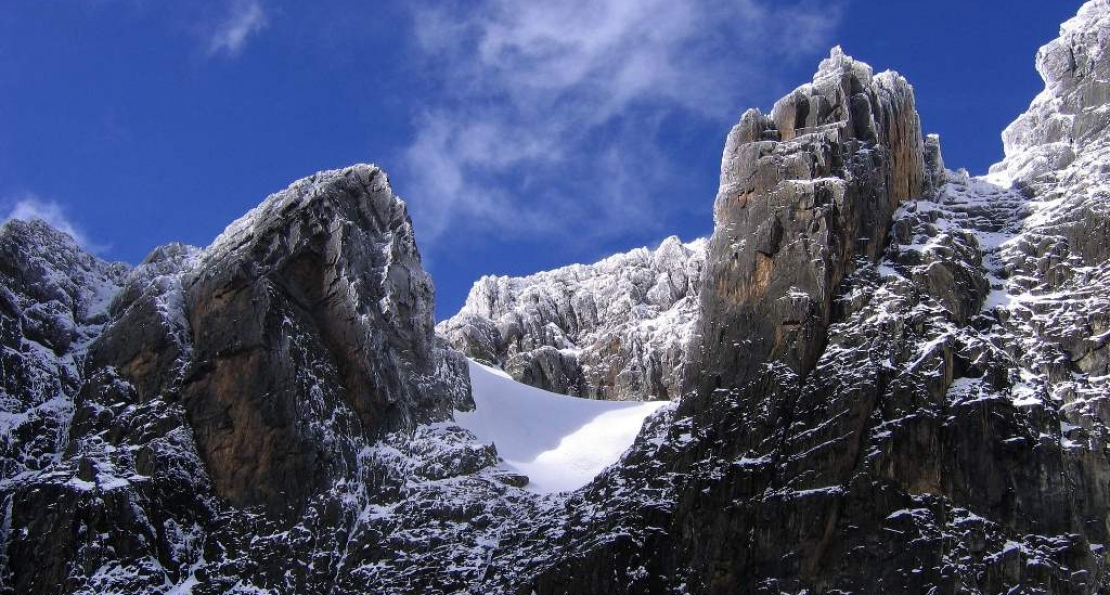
(559, 442)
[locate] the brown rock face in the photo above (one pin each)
(312, 323)
(803, 192)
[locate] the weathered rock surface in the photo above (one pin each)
(158, 417)
(803, 192)
(917, 411)
(616, 329)
(898, 382)
(311, 317)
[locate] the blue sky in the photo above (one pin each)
(524, 135)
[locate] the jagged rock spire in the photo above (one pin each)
(803, 192)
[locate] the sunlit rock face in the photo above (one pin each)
(804, 191)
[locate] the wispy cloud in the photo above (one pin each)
(30, 207)
(547, 114)
(244, 19)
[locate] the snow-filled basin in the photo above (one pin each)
(559, 442)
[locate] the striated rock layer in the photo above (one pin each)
(616, 329)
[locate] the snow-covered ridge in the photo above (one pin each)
(616, 329)
(1072, 110)
(299, 194)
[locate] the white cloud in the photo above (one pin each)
(547, 114)
(244, 19)
(31, 207)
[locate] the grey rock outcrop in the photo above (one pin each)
(317, 300)
(615, 330)
(803, 192)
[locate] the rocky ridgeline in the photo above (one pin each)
(616, 329)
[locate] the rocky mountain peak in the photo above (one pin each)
(51, 266)
(1070, 112)
(803, 192)
(349, 222)
(876, 109)
(316, 298)
(39, 232)
(839, 64)
(892, 378)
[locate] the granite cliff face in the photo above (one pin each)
(891, 378)
(616, 329)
